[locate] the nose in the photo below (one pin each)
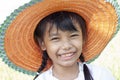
(67, 45)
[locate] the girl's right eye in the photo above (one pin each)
(55, 39)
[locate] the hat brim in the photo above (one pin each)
(21, 47)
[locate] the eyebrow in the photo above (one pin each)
(53, 34)
(57, 33)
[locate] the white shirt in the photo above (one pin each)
(98, 73)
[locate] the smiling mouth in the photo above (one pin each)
(67, 56)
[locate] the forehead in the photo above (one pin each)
(52, 28)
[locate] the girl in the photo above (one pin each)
(55, 38)
(61, 36)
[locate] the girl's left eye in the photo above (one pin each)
(74, 35)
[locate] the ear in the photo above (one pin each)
(43, 46)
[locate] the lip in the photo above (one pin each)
(67, 56)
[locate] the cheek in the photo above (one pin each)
(78, 42)
(51, 50)
(78, 45)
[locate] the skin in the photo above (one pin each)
(64, 49)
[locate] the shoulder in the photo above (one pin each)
(100, 73)
(44, 75)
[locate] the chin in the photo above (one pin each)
(68, 63)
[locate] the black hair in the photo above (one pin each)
(63, 20)
(44, 63)
(87, 74)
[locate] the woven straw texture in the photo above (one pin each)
(102, 19)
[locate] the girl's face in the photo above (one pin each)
(63, 47)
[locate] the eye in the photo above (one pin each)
(54, 38)
(74, 35)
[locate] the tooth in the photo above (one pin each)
(69, 54)
(66, 55)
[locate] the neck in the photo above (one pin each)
(66, 72)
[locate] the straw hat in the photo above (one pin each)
(22, 50)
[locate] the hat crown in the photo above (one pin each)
(19, 43)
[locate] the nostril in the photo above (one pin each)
(67, 46)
